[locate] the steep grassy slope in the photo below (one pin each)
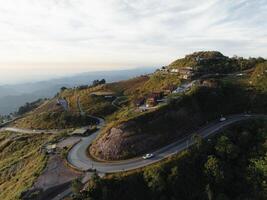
(134, 133)
(158, 82)
(140, 134)
(99, 105)
(50, 115)
(232, 94)
(91, 100)
(259, 77)
(127, 87)
(21, 161)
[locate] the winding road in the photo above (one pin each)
(78, 156)
(79, 159)
(31, 131)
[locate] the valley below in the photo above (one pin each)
(185, 115)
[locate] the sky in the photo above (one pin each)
(45, 38)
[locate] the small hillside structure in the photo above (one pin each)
(50, 148)
(169, 89)
(140, 101)
(174, 70)
(152, 99)
(81, 131)
(183, 72)
(151, 102)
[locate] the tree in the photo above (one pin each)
(198, 140)
(63, 88)
(226, 149)
(212, 169)
(95, 82)
(94, 190)
(155, 180)
(99, 82)
(103, 81)
(76, 186)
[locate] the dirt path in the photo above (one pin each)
(56, 173)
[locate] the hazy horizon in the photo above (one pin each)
(45, 39)
(36, 76)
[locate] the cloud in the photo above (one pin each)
(140, 32)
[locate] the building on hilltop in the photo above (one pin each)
(174, 70)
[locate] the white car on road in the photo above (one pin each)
(148, 155)
(222, 119)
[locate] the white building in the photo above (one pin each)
(174, 70)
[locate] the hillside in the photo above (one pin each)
(259, 77)
(152, 130)
(231, 165)
(210, 98)
(214, 62)
(13, 96)
(148, 112)
(143, 114)
(21, 162)
(51, 115)
(72, 107)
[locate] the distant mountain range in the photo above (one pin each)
(13, 96)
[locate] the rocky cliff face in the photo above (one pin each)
(144, 134)
(122, 142)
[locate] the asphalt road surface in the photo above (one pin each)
(79, 159)
(24, 130)
(78, 156)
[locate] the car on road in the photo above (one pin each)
(148, 156)
(222, 119)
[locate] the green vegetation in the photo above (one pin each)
(259, 77)
(4, 118)
(215, 62)
(230, 166)
(180, 117)
(76, 186)
(158, 82)
(121, 101)
(128, 87)
(55, 120)
(29, 107)
(21, 162)
(97, 105)
(51, 115)
(94, 99)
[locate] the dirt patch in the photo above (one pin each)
(56, 173)
(68, 142)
